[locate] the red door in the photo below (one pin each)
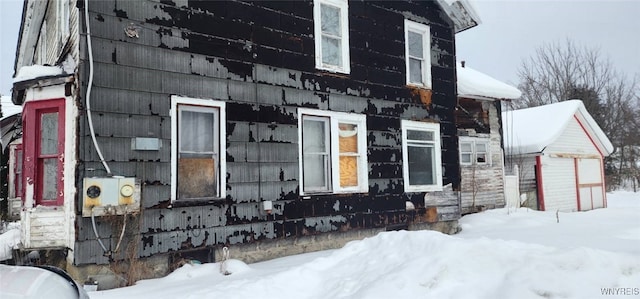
(43, 140)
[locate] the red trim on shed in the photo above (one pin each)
(539, 183)
(575, 167)
(604, 188)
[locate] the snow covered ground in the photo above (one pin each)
(499, 254)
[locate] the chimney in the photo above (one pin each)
(462, 63)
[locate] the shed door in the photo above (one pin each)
(590, 184)
(559, 184)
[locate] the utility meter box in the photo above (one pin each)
(110, 196)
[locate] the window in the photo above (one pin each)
(44, 150)
(197, 149)
(15, 171)
(331, 33)
(474, 151)
(418, 53)
(333, 152)
(421, 156)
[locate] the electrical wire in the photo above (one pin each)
(89, 85)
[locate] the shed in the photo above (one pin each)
(560, 150)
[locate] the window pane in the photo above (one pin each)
(315, 172)
(315, 149)
(49, 133)
(314, 136)
(415, 44)
(50, 179)
(465, 147)
(330, 20)
(348, 171)
(197, 177)
(415, 70)
(197, 131)
(481, 147)
(421, 168)
(465, 158)
(331, 52)
(481, 158)
(420, 135)
(348, 138)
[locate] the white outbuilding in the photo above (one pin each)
(560, 150)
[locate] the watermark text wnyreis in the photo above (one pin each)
(620, 291)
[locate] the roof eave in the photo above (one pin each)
(462, 13)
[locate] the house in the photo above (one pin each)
(560, 150)
(479, 124)
(172, 129)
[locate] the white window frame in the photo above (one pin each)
(221, 142)
(425, 31)
(473, 141)
(409, 125)
(335, 118)
(343, 5)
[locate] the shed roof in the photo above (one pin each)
(531, 130)
(476, 85)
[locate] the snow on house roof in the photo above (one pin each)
(31, 72)
(531, 130)
(476, 85)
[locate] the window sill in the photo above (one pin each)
(196, 202)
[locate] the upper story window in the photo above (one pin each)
(333, 152)
(421, 156)
(331, 31)
(198, 149)
(417, 39)
(474, 151)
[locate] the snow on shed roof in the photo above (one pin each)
(474, 84)
(531, 130)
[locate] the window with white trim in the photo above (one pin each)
(197, 149)
(421, 156)
(474, 151)
(418, 53)
(331, 32)
(332, 151)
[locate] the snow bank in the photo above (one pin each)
(9, 240)
(500, 254)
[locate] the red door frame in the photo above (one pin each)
(33, 168)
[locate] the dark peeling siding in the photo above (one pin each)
(258, 57)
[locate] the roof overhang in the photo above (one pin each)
(19, 88)
(462, 13)
(33, 13)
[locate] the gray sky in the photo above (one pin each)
(511, 30)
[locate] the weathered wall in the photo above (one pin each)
(259, 58)
(482, 186)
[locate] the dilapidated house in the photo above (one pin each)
(174, 128)
(480, 133)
